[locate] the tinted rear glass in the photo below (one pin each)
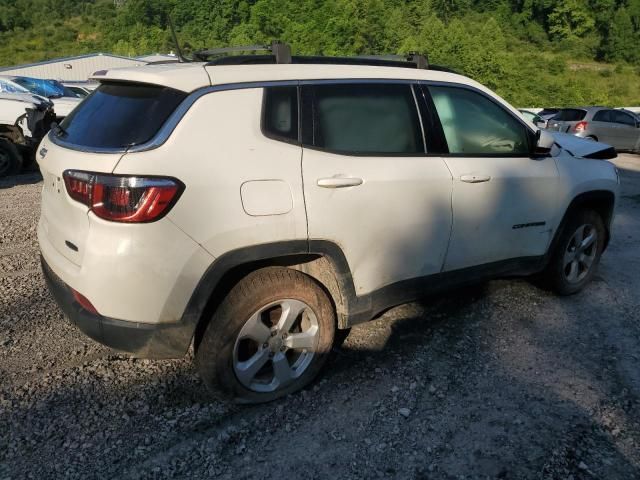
(118, 115)
(570, 115)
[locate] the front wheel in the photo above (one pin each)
(269, 337)
(577, 253)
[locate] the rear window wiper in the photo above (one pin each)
(58, 130)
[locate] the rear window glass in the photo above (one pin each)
(570, 115)
(120, 115)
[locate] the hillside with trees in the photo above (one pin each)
(532, 52)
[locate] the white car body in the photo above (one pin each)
(63, 106)
(380, 221)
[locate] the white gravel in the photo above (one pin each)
(503, 380)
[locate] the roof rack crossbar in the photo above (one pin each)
(281, 51)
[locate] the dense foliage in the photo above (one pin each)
(533, 52)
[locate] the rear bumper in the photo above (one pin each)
(142, 340)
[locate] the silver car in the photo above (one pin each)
(618, 128)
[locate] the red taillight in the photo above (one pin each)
(580, 126)
(123, 198)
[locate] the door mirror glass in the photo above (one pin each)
(544, 143)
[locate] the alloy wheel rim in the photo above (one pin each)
(580, 253)
(276, 345)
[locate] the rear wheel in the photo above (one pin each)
(270, 336)
(577, 253)
(10, 160)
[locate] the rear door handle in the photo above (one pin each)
(475, 178)
(339, 182)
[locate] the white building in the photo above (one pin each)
(72, 69)
(158, 57)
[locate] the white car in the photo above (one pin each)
(80, 89)
(257, 206)
(63, 104)
(24, 120)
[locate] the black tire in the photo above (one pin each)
(340, 337)
(218, 352)
(10, 159)
(557, 273)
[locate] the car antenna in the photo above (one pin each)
(181, 58)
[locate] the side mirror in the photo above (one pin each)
(544, 143)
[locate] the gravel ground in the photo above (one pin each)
(503, 380)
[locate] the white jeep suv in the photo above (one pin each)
(259, 206)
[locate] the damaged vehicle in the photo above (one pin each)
(24, 120)
(63, 100)
(256, 207)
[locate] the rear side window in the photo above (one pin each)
(120, 115)
(474, 125)
(364, 119)
(570, 115)
(280, 113)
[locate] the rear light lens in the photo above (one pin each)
(580, 127)
(84, 302)
(126, 199)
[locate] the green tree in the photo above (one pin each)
(570, 18)
(621, 42)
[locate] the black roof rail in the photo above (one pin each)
(281, 53)
(279, 50)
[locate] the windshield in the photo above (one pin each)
(7, 86)
(119, 115)
(46, 88)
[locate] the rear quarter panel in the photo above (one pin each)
(215, 150)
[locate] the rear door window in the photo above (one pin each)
(364, 119)
(120, 115)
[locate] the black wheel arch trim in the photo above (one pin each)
(602, 201)
(226, 270)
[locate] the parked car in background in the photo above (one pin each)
(64, 101)
(257, 212)
(534, 118)
(618, 128)
(81, 89)
(547, 113)
(24, 120)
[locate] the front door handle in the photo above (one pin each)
(339, 182)
(475, 178)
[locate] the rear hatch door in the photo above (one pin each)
(64, 221)
(93, 138)
(566, 120)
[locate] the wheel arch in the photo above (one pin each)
(325, 265)
(602, 201)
